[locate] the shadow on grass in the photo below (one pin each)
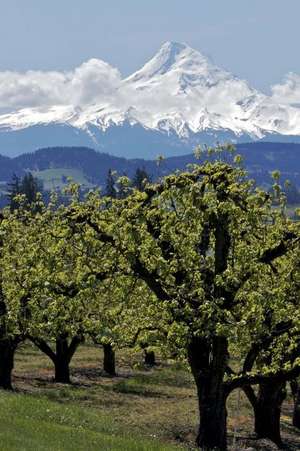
(93, 374)
(165, 377)
(132, 387)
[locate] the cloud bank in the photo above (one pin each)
(96, 82)
(288, 92)
(91, 82)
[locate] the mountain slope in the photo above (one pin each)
(191, 94)
(178, 99)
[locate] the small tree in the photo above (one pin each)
(29, 187)
(14, 314)
(110, 189)
(140, 179)
(44, 280)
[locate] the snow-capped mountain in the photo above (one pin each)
(179, 98)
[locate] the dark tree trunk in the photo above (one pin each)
(62, 356)
(109, 361)
(149, 358)
(212, 433)
(296, 395)
(62, 372)
(7, 352)
(208, 364)
(268, 410)
(62, 361)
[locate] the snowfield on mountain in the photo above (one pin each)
(179, 93)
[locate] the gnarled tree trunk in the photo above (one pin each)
(267, 410)
(8, 347)
(62, 356)
(109, 360)
(62, 361)
(296, 395)
(149, 357)
(208, 364)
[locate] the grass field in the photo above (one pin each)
(33, 423)
(53, 178)
(141, 409)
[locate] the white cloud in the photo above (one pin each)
(93, 81)
(289, 91)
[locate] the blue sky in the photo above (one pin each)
(256, 39)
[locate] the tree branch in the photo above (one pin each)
(43, 346)
(248, 379)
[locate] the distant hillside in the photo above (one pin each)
(90, 168)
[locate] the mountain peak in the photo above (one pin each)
(169, 54)
(174, 47)
(173, 56)
(164, 60)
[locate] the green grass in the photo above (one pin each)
(140, 409)
(146, 405)
(31, 423)
(53, 178)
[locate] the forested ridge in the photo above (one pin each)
(198, 267)
(54, 166)
(260, 158)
